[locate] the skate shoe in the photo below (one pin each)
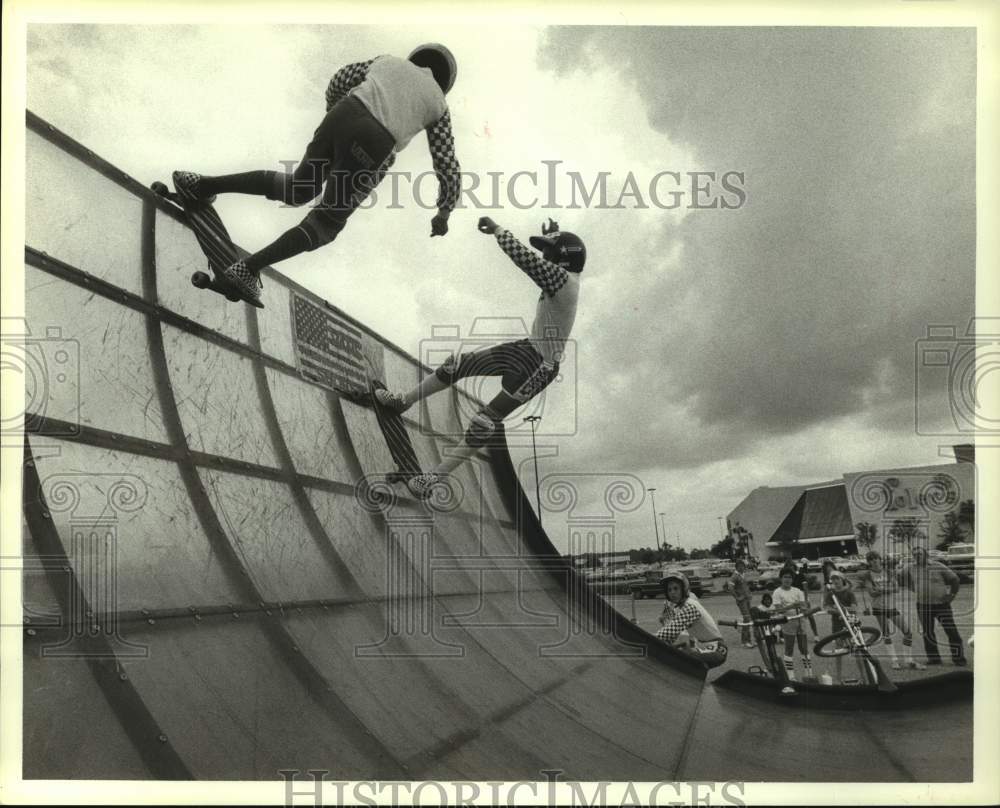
(245, 280)
(186, 184)
(422, 485)
(391, 401)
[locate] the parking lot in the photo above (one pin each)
(722, 607)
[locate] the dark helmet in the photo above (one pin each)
(561, 247)
(440, 61)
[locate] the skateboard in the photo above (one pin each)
(396, 438)
(215, 243)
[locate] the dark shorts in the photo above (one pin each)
(523, 374)
(350, 152)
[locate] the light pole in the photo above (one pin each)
(662, 526)
(533, 420)
(656, 528)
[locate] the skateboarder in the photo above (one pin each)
(527, 366)
(374, 109)
(687, 625)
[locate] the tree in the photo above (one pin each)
(951, 530)
(700, 552)
(724, 549)
(865, 534)
(967, 514)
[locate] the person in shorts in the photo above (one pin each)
(373, 109)
(882, 587)
(788, 599)
(525, 367)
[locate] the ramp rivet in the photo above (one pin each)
(236, 616)
(46, 515)
(27, 620)
(144, 612)
(151, 621)
(31, 632)
(162, 738)
(123, 676)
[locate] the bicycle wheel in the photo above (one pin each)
(839, 643)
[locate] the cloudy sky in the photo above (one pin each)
(717, 350)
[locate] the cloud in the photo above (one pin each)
(858, 150)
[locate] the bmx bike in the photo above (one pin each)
(765, 632)
(854, 641)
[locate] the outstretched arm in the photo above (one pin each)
(345, 80)
(441, 142)
(549, 277)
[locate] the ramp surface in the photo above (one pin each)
(212, 590)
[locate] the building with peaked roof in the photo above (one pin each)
(898, 508)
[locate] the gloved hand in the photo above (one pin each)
(439, 224)
(487, 225)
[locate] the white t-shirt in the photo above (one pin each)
(787, 597)
(404, 98)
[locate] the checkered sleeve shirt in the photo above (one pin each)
(345, 80)
(441, 142)
(549, 277)
(681, 620)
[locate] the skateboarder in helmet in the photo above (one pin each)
(373, 110)
(686, 624)
(527, 366)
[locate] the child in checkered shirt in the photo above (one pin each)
(525, 367)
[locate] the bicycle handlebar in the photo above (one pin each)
(777, 620)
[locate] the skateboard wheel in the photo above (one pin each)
(233, 298)
(201, 280)
(160, 188)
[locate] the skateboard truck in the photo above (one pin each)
(215, 243)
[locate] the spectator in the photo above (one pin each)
(740, 590)
(790, 599)
(882, 586)
(935, 587)
(800, 580)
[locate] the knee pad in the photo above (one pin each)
(447, 372)
(480, 430)
(322, 227)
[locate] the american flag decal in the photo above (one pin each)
(328, 348)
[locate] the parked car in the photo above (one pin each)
(852, 565)
(652, 587)
(768, 578)
(962, 559)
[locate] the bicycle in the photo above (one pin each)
(765, 632)
(855, 640)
